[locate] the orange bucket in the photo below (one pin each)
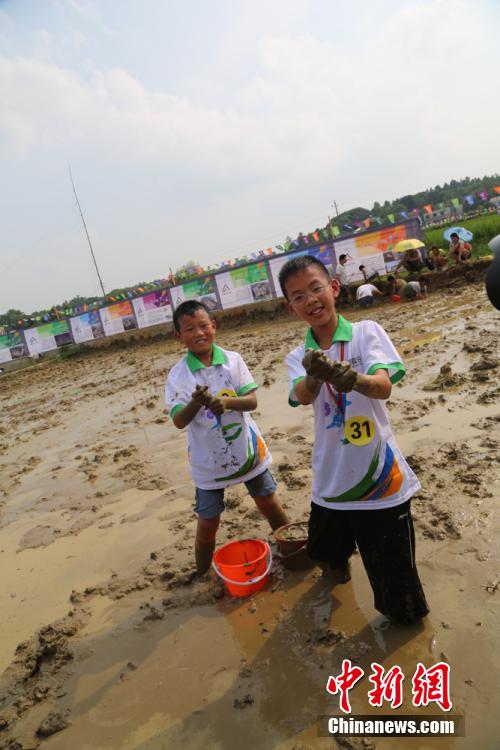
(243, 565)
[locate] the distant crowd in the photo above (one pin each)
(414, 264)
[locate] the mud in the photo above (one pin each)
(293, 533)
(108, 638)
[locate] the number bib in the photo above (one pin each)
(359, 430)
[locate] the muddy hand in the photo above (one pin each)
(216, 406)
(342, 376)
(201, 395)
(317, 365)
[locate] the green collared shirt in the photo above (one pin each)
(227, 449)
(218, 358)
(343, 332)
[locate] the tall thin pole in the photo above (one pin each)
(87, 233)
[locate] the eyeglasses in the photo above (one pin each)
(301, 298)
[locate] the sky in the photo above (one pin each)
(208, 130)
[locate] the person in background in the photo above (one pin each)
(366, 293)
(411, 262)
(437, 259)
(394, 285)
(341, 274)
(415, 289)
(369, 274)
(460, 251)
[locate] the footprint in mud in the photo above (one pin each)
(287, 475)
(38, 536)
(433, 521)
(34, 675)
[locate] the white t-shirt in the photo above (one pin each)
(341, 274)
(365, 290)
(357, 464)
(229, 449)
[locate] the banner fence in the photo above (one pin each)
(253, 282)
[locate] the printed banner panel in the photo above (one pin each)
(153, 309)
(117, 318)
(322, 253)
(243, 286)
(86, 327)
(48, 337)
(373, 250)
(12, 346)
(202, 289)
(276, 264)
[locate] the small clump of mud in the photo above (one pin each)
(446, 379)
(54, 722)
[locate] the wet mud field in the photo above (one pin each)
(108, 641)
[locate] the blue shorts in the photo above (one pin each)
(210, 503)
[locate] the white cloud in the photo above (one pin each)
(315, 118)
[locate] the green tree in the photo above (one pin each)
(11, 317)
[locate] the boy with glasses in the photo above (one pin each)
(362, 484)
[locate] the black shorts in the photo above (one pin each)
(385, 539)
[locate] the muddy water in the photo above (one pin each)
(97, 501)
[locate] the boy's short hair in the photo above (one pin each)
(423, 279)
(391, 278)
(361, 268)
(434, 247)
(190, 307)
(341, 257)
(454, 234)
(295, 265)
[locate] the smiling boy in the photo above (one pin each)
(210, 391)
(362, 484)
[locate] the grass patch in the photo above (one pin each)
(484, 228)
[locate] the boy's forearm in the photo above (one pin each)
(307, 389)
(248, 402)
(183, 417)
(376, 386)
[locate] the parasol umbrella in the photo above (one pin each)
(403, 245)
(463, 234)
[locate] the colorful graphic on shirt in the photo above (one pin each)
(388, 483)
(231, 432)
(256, 450)
(337, 410)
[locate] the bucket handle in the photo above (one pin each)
(250, 580)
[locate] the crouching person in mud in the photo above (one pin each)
(362, 484)
(210, 391)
